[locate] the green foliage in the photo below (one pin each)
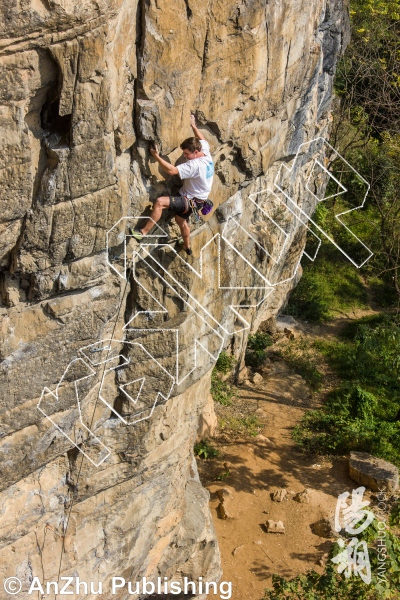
(224, 362)
(334, 586)
(249, 425)
(259, 341)
(256, 349)
(351, 329)
(366, 132)
(298, 356)
(348, 423)
(205, 450)
(383, 291)
(221, 391)
(225, 474)
(394, 518)
(379, 227)
(372, 357)
(368, 74)
(331, 283)
(361, 413)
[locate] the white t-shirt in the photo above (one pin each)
(197, 174)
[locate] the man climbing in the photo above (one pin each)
(197, 175)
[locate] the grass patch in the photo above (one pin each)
(246, 425)
(351, 329)
(361, 414)
(225, 474)
(331, 283)
(221, 391)
(383, 292)
(298, 356)
(325, 287)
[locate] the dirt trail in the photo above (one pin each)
(258, 466)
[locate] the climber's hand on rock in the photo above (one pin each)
(192, 121)
(154, 150)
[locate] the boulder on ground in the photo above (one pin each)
(325, 528)
(261, 438)
(225, 511)
(279, 495)
(225, 507)
(289, 333)
(224, 493)
(374, 473)
(274, 526)
(302, 497)
(288, 325)
(257, 378)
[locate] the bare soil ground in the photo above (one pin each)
(251, 468)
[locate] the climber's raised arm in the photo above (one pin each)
(196, 132)
(197, 176)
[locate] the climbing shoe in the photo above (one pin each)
(187, 250)
(136, 233)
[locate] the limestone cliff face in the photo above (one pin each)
(84, 87)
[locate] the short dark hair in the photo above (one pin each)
(192, 144)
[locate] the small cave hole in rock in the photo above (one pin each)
(56, 128)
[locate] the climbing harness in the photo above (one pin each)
(196, 204)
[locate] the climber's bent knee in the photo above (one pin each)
(162, 201)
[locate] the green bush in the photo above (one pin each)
(205, 450)
(224, 362)
(371, 356)
(383, 292)
(259, 341)
(321, 432)
(361, 413)
(221, 391)
(256, 349)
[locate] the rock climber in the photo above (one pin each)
(197, 175)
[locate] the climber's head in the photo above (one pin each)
(191, 148)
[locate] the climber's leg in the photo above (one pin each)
(159, 205)
(185, 231)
